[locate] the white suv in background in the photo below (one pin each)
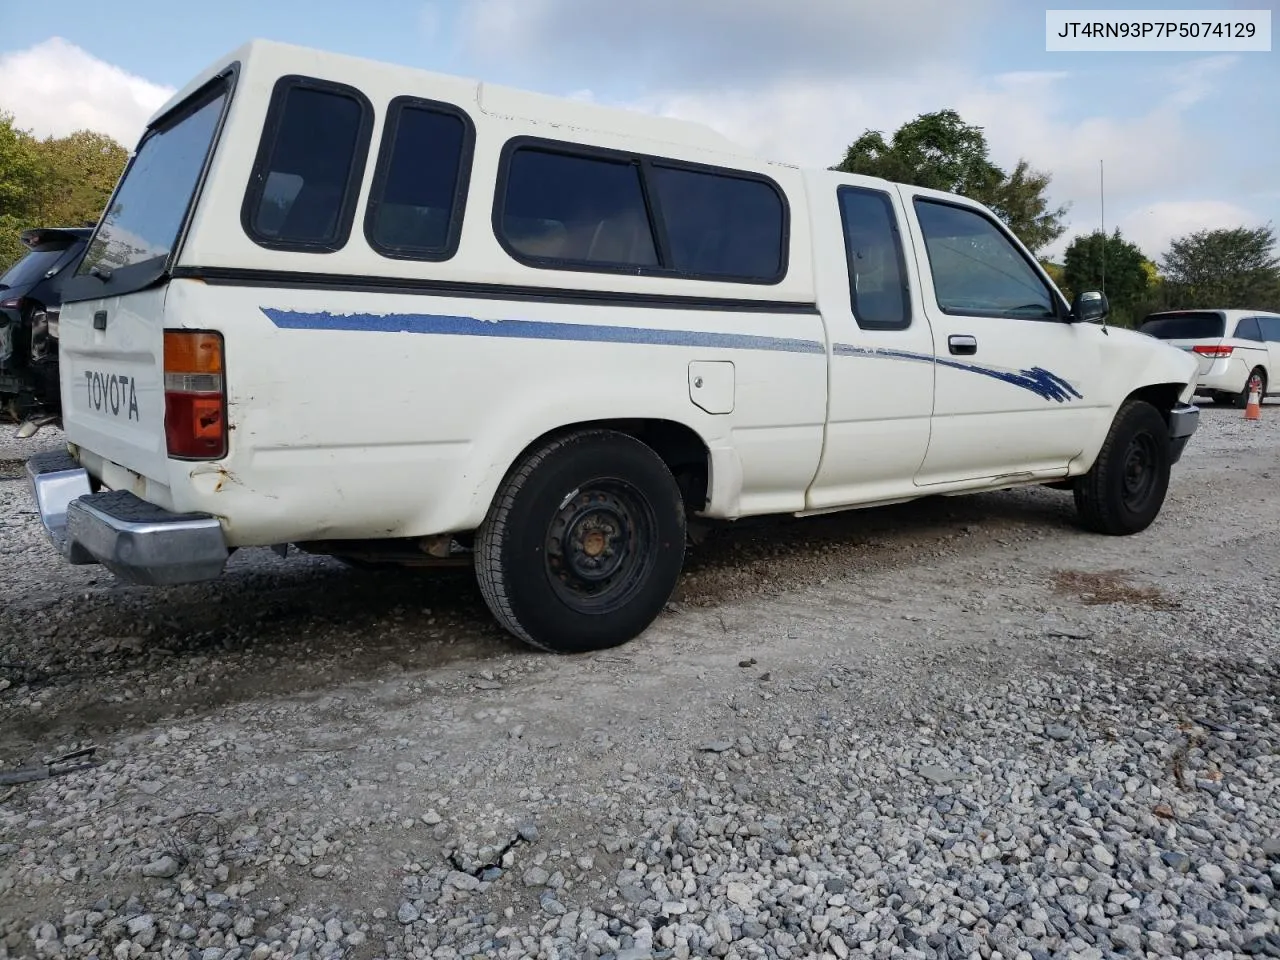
(1233, 346)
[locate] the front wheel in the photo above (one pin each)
(583, 544)
(1124, 490)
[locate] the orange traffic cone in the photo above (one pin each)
(1253, 409)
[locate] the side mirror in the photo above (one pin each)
(1090, 307)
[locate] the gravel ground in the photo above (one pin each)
(955, 728)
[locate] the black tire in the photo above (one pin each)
(1125, 488)
(583, 544)
(1224, 399)
(1242, 398)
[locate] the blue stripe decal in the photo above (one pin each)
(533, 330)
(1036, 379)
(1039, 381)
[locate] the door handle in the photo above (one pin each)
(962, 343)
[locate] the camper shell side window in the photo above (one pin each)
(419, 192)
(306, 177)
(567, 206)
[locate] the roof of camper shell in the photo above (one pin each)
(277, 59)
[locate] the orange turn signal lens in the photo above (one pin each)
(192, 351)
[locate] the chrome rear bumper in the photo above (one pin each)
(137, 541)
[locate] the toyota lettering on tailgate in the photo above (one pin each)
(112, 393)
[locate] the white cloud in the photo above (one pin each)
(1148, 157)
(799, 81)
(1196, 81)
(802, 121)
(701, 43)
(1152, 227)
(55, 88)
(811, 123)
(1157, 150)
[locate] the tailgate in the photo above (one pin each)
(112, 355)
(111, 340)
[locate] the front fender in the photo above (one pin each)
(1132, 360)
(1131, 363)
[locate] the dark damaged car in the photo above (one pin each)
(30, 299)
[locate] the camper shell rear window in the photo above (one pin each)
(144, 220)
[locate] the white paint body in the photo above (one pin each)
(361, 434)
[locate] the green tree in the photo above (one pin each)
(1058, 276)
(1157, 296)
(942, 152)
(935, 150)
(81, 170)
(58, 181)
(1019, 200)
(1113, 265)
(20, 176)
(1231, 268)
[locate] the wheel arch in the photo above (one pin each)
(1163, 396)
(685, 452)
(706, 469)
(1127, 487)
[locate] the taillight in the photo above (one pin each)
(1207, 351)
(195, 397)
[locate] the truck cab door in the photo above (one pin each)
(1016, 394)
(880, 372)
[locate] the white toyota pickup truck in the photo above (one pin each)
(396, 316)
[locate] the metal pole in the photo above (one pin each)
(1102, 197)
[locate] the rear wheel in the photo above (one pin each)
(583, 544)
(1257, 379)
(1124, 490)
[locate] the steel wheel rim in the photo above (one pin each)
(599, 545)
(1138, 478)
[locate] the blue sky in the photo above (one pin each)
(1190, 140)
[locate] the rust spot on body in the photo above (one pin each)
(223, 474)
